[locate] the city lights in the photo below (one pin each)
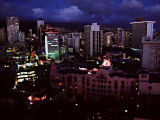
(80, 60)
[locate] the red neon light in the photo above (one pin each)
(50, 27)
(122, 97)
(60, 84)
(53, 68)
(45, 30)
(37, 99)
(51, 30)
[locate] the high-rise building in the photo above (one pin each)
(2, 36)
(52, 45)
(30, 33)
(40, 28)
(141, 29)
(21, 36)
(108, 37)
(74, 41)
(151, 53)
(123, 37)
(12, 28)
(40, 22)
(93, 39)
(120, 37)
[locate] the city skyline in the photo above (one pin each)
(80, 59)
(113, 12)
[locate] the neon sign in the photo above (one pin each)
(106, 63)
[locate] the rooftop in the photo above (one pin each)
(143, 22)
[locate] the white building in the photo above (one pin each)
(93, 39)
(141, 29)
(151, 53)
(12, 28)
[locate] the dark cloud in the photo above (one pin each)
(132, 8)
(101, 11)
(101, 7)
(69, 14)
(116, 11)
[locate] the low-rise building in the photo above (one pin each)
(101, 82)
(149, 83)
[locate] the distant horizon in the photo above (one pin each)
(34, 21)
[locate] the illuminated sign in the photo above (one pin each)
(30, 98)
(106, 63)
(95, 69)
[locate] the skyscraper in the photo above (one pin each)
(74, 41)
(151, 53)
(141, 28)
(93, 39)
(40, 25)
(40, 22)
(12, 29)
(52, 45)
(2, 36)
(21, 36)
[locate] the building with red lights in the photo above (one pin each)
(52, 48)
(102, 82)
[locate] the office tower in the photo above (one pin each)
(151, 53)
(108, 39)
(120, 40)
(12, 29)
(93, 39)
(141, 28)
(123, 37)
(30, 33)
(40, 27)
(2, 36)
(74, 41)
(20, 36)
(40, 22)
(52, 45)
(62, 46)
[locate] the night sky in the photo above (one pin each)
(117, 12)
